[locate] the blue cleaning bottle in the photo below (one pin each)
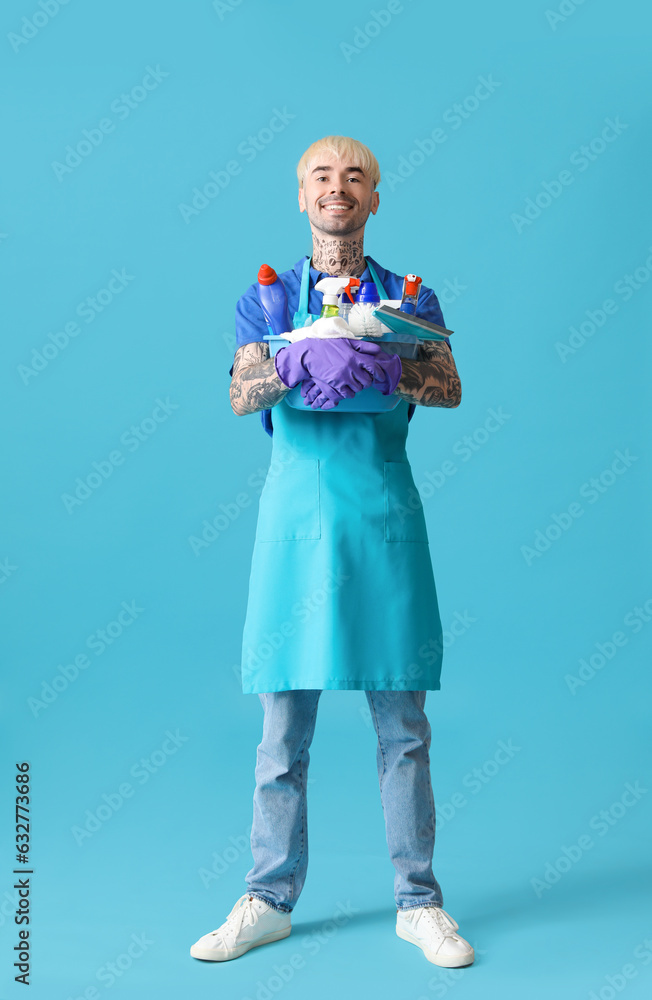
(274, 300)
(368, 292)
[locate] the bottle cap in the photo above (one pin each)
(266, 275)
(412, 284)
(368, 292)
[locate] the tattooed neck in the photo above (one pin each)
(338, 256)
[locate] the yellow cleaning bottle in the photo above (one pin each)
(332, 288)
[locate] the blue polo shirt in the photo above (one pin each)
(250, 322)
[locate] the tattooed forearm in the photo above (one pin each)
(338, 256)
(432, 379)
(254, 384)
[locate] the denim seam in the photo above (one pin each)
(380, 744)
(417, 906)
(426, 746)
(432, 797)
(279, 909)
(303, 800)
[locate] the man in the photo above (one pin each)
(342, 593)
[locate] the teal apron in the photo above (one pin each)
(341, 592)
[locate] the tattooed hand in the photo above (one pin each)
(254, 384)
(432, 379)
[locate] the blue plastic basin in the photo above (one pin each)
(369, 400)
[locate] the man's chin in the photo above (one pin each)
(338, 227)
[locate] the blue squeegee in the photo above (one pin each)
(402, 322)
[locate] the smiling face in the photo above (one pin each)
(337, 196)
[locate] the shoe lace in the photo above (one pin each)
(442, 920)
(243, 911)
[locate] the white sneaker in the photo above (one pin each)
(251, 922)
(433, 930)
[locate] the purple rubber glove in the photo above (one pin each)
(320, 396)
(346, 364)
(392, 370)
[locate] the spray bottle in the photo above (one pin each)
(411, 289)
(332, 288)
(274, 300)
(351, 288)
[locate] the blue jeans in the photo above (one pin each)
(279, 834)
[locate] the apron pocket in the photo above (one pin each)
(289, 506)
(404, 519)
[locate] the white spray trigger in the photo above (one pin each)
(332, 288)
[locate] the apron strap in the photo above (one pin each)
(301, 315)
(379, 285)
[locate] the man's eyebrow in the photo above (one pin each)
(358, 170)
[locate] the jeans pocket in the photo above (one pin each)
(404, 518)
(289, 508)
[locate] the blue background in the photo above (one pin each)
(170, 862)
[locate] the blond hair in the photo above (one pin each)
(345, 148)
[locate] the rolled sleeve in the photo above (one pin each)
(428, 308)
(250, 325)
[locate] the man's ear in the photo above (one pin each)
(375, 199)
(302, 200)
